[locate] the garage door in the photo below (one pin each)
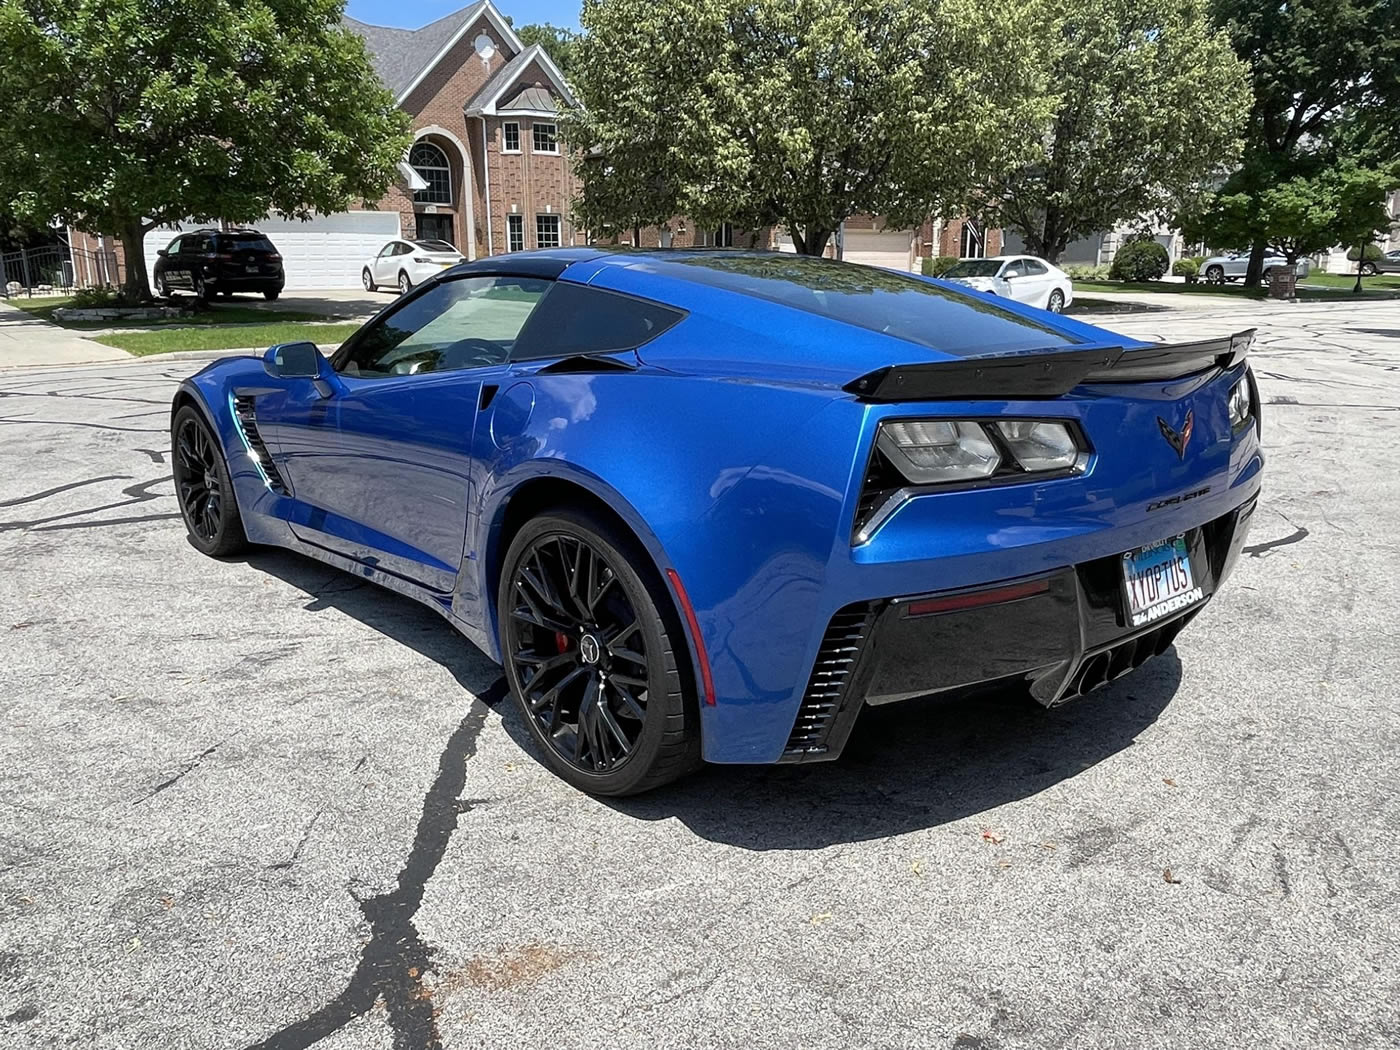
(326, 252)
(892, 249)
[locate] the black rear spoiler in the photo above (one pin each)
(1049, 374)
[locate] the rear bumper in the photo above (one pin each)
(1057, 635)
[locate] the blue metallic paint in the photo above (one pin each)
(736, 459)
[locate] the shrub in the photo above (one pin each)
(1085, 272)
(1139, 261)
(1373, 253)
(94, 298)
(1185, 267)
(937, 267)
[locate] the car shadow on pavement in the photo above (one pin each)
(907, 766)
(916, 765)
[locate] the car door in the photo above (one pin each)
(167, 264)
(1034, 284)
(1390, 263)
(1014, 274)
(383, 263)
(379, 462)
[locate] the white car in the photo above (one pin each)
(402, 264)
(1021, 277)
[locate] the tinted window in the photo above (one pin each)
(895, 304)
(246, 242)
(975, 268)
(436, 246)
(573, 319)
(467, 323)
(1031, 266)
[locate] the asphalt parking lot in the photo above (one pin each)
(260, 803)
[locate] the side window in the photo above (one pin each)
(1012, 270)
(1034, 268)
(388, 249)
(574, 319)
(173, 248)
(467, 323)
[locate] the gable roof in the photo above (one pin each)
(403, 57)
(487, 101)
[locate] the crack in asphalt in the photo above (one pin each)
(396, 958)
(189, 768)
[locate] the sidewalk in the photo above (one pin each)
(25, 340)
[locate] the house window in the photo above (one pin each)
(972, 245)
(431, 165)
(546, 138)
(546, 231)
(515, 233)
(724, 236)
(510, 137)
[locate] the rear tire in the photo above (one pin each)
(594, 656)
(1056, 302)
(271, 296)
(405, 285)
(1368, 269)
(202, 289)
(203, 487)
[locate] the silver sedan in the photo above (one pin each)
(1232, 266)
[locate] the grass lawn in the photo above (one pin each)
(1347, 281)
(217, 314)
(231, 337)
(1327, 292)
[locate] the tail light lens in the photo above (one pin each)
(929, 452)
(274, 257)
(1241, 404)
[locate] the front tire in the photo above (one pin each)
(203, 487)
(590, 646)
(1215, 275)
(405, 285)
(1056, 303)
(162, 289)
(368, 280)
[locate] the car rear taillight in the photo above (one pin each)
(421, 259)
(274, 257)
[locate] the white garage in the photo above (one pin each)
(326, 252)
(893, 249)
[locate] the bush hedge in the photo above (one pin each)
(1373, 253)
(1186, 267)
(938, 266)
(1084, 272)
(1139, 261)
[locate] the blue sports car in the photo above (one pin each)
(707, 505)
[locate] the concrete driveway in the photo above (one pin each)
(259, 803)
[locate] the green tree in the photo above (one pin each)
(561, 43)
(121, 115)
(800, 112)
(1316, 65)
(1151, 101)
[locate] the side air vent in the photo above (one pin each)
(244, 413)
(881, 481)
(841, 645)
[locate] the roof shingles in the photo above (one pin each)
(399, 55)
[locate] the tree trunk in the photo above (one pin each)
(1254, 274)
(1360, 261)
(137, 286)
(813, 242)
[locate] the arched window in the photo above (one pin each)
(431, 164)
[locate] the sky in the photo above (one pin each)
(417, 13)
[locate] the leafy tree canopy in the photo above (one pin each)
(799, 112)
(561, 43)
(120, 115)
(1326, 82)
(1151, 101)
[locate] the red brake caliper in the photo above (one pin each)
(561, 640)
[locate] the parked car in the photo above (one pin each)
(1387, 263)
(406, 264)
(1232, 266)
(712, 503)
(1021, 277)
(207, 263)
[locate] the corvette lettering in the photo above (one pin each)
(1172, 501)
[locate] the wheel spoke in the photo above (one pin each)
(610, 724)
(630, 703)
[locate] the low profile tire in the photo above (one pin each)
(271, 295)
(590, 646)
(368, 280)
(203, 487)
(405, 285)
(1215, 275)
(1368, 269)
(1056, 303)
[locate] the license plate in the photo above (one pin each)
(1157, 581)
(445, 265)
(251, 269)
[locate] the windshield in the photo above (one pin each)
(975, 268)
(246, 242)
(436, 246)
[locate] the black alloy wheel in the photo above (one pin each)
(203, 486)
(1057, 302)
(591, 656)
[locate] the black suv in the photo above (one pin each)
(220, 262)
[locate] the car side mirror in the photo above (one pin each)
(295, 361)
(162, 252)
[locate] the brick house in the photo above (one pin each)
(485, 171)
